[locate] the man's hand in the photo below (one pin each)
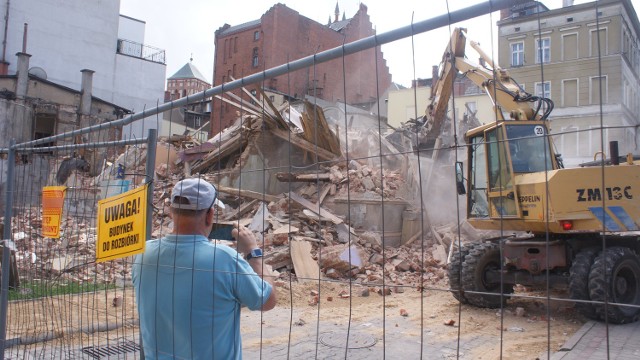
(246, 241)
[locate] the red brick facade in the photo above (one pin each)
(282, 35)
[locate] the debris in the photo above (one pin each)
(299, 223)
(304, 265)
(67, 166)
(404, 313)
(450, 323)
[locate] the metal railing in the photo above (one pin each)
(145, 52)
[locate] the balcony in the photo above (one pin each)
(141, 51)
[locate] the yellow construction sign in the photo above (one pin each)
(52, 204)
(122, 225)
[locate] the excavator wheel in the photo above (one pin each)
(454, 272)
(615, 275)
(482, 258)
(579, 281)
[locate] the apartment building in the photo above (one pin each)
(585, 58)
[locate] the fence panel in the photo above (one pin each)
(61, 302)
(361, 220)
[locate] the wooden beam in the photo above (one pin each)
(304, 144)
(291, 177)
(248, 194)
(243, 108)
(324, 192)
(276, 114)
(315, 208)
(305, 266)
(228, 147)
(243, 209)
(245, 102)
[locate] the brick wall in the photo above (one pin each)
(285, 35)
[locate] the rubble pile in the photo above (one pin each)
(299, 228)
(69, 258)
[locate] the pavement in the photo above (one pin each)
(597, 341)
(401, 339)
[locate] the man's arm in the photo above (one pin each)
(246, 242)
(261, 269)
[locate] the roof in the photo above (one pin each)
(241, 27)
(339, 25)
(68, 89)
(188, 71)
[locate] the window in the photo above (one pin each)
(478, 205)
(596, 84)
(570, 92)
(224, 51)
(235, 44)
(598, 45)
(256, 36)
(234, 70)
(517, 54)
(569, 46)
(543, 90)
(543, 50)
(44, 126)
(569, 145)
(254, 61)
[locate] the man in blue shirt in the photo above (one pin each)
(189, 291)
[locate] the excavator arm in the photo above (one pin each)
(508, 98)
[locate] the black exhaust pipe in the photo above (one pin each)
(613, 151)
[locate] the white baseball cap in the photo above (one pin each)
(195, 194)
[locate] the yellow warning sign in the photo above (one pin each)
(122, 225)
(52, 204)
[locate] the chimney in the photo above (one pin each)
(85, 91)
(23, 75)
(434, 80)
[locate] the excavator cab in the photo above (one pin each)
(498, 154)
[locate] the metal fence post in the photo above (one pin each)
(6, 251)
(152, 139)
(150, 169)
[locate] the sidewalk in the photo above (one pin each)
(590, 343)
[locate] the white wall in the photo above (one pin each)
(65, 37)
(131, 29)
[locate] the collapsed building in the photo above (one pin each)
(324, 201)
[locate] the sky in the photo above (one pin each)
(186, 28)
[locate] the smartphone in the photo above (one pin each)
(221, 231)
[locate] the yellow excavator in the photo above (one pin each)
(581, 224)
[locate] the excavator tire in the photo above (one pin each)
(481, 258)
(615, 276)
(579, 281)
(455, 273)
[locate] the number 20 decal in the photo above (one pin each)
(538, 130)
